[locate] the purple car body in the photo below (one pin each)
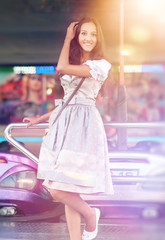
(22, 195)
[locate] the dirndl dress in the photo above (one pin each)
(77, 140)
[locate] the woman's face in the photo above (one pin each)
(88, 36)
(35, 83)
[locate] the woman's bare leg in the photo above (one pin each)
(74, 201)
(73, 219)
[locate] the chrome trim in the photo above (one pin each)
(135, 125)
(15, 143)
(150, 179)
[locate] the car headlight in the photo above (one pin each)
(25, 179)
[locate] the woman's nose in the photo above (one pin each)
(88, 37)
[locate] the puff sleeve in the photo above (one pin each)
(99, 68)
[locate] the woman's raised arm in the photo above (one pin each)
(63, 66)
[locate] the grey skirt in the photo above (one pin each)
(74, 153)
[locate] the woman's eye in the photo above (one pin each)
(83, 33)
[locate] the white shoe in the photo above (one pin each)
(91, 235)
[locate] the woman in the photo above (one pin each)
(77, 139)
(31, 103)
(32, 88)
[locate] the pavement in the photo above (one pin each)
(108, 230)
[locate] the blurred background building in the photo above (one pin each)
(31, 37)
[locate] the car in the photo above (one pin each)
(138, 175)
(22, 195)
(139, 186)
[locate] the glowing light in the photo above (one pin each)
(25, 180)
(144, 68)
(132, 68)
(2, 160)
(140, 34)
(45, 69)
(153, 68)
(149, 6)
(34, 69)
(125, 52)
(49, 91)
(24, 70)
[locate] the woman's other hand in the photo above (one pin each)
(31, 121)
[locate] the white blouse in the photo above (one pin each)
(91, 85)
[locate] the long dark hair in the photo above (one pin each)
(75, 52)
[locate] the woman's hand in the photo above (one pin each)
(31, 121)
(71, 30)
(63, 61)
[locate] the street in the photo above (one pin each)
(109, 229)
